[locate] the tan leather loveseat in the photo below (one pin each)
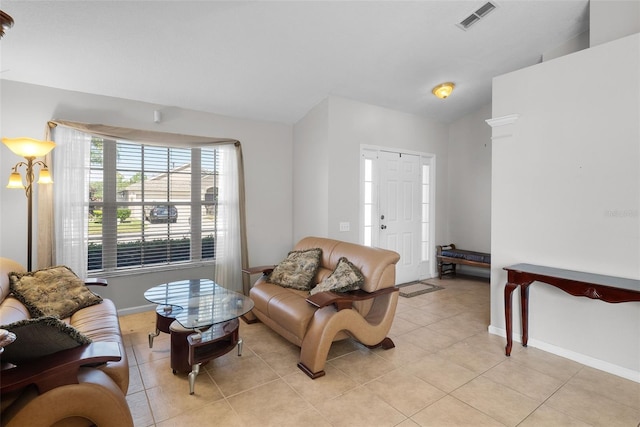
(314, 322)
(85, 385)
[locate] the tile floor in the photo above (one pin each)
(446, 370)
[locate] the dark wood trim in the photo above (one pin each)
(58, 369)
(261, 269)
(345, 300)
(312, 375)
(385, 344)
(96, 281)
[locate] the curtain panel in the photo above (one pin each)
(69, 177)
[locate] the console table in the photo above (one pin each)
(595, 286)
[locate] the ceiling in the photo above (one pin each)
(275, 61)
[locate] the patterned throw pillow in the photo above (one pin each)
(297, 270)
(346, 277)
(54, 291)
(40, 337)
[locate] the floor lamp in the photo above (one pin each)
(29, 149)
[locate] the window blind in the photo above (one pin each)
(151, 205)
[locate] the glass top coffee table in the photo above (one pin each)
(208, 315)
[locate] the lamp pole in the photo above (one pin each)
(29, 191)
(30, 176)
(29, 149)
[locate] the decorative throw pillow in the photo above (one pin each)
(297, 270)
(40, 337)
(346, 277)
(54, 291)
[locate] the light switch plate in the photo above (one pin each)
(344, 226)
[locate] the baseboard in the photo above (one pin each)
(572, 355)
(139, 309)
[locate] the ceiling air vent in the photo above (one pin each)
(477, 15)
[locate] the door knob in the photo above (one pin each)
(384, 227)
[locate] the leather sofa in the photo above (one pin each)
(314, 322)
(80, 386)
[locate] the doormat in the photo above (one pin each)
(413, 289)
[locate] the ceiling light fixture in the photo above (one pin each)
(443, 90)
(6, 22)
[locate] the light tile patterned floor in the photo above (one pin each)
(446, 370)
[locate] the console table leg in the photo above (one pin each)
(524, 306)
(192, 377)
(508, 291)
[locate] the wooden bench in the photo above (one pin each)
(449, 256)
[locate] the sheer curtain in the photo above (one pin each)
(228, 271)
(70, 198)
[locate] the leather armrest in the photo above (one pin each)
(95, 281)
(343, 300)
(58, 369)
(264, 269)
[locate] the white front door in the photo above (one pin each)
(400, 208)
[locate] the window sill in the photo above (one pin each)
(149, 270)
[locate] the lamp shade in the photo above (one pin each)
(15, 180)
(443, 90)
(45, 176)
(29, 147)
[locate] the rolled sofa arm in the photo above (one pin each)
(95, 401)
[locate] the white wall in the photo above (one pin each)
(469, 190)
(612, 19)
(311, 173)
(342, 129)
(579, 42)
(267, 159)
(566, 193)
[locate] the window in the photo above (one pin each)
(137, 198)
(150, 205)
(425, 244)
(369, 238)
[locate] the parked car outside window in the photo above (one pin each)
(163, 213)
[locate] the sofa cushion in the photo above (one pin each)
(287, 307)
(40, 337)
(297, 270)
(100, 323)
(346, 277)
(6, 266)
(54, 291)
(12, 310)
